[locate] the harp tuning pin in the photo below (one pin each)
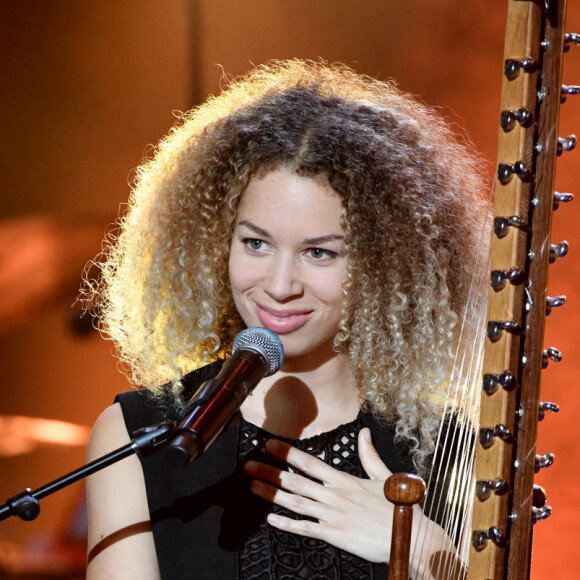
(541, 513)
(480, 538)
(501, 225)
(508, 119)
(562, 198)
(554, 302)
(505, 172)
(550, 354)
(543, 461)
(568, 90)
(513, 66)
(495, 329)
(558, 250)
(569, 39)
(547, 406)
(566, 144)
(487, 435)
(491, 383)
(484, 488)
(498, 278)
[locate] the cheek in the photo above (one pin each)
(330, 291)
(236, 283)
(235, 278)
(240, 273)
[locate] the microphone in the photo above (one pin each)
(256, 353)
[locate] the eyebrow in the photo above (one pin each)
(266, 234)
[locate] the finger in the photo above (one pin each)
(291, 482)
(306, 463)
(305, 528)
(371, 462)
(297, 504)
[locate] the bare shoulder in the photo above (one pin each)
(120, 538)
(109, 433)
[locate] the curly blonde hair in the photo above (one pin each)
(412, 214)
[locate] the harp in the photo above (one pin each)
(505, 502)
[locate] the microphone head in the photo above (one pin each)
(263, 342)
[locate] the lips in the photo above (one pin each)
(282, 321)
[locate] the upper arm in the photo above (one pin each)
(120, 541)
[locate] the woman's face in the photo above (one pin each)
(288, 261)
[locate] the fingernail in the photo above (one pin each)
(273, 445)
(273, 519)
(257, 487)
(250, 467)
(367, 435)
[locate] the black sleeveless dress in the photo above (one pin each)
(208, 525)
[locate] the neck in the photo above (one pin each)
(299, 402)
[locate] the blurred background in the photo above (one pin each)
(88, 87)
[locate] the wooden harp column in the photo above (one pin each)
(506, 458)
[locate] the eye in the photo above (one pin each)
(320, 254)
(255, 244)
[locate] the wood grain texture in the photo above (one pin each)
(404, 490)
(524, 303)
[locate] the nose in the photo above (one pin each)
(283, 281)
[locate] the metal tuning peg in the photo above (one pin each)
(541, 513)
(505, 172)
(568, 90)
(569, 39)
(547, 406)
(491, 383)
(501, 225)
(495, 329)
(480, 538)
(554, 302)
(566, 144)
(487, 435)
(498, 278)
(551, 354)
(543, 461)
(513, 66)
(558, 251)
(562, 198)
(508, 119)
(484, 488)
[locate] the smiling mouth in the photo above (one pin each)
(282, 321)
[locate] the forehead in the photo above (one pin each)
(284, 198)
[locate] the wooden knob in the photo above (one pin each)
(404, 489)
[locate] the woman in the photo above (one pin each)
(341, 214)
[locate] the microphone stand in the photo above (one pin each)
(214, 405)
(144, 442)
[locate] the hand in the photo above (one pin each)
(352, 513)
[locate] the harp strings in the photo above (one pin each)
(451, 481)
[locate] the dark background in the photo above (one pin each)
(88, 86)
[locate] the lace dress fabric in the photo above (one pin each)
(272, 553)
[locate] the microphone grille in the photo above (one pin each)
(263, 342)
